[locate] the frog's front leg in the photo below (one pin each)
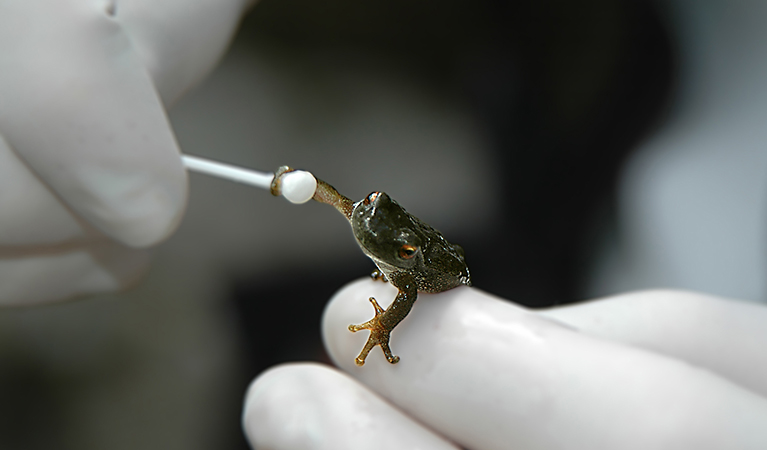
(379, 275)
(384, 321)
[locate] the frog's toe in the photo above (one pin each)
(360, 360)
(377, 337)
(393, 359)
(371, 324)
(379, 275)
(377, 307)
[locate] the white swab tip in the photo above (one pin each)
(298, 186)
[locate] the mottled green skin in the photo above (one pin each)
(382, 229)
(410, 254)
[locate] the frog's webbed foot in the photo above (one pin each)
(379, 275)
(379, 335)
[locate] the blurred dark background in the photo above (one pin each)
(563, 91)
(503, 124)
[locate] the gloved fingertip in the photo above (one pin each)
(138, 208)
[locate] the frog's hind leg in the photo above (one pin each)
(379, 335)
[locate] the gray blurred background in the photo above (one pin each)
(506, 125)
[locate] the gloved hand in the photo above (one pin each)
(89, 167)
(656, 369)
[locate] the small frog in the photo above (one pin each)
(409, 254)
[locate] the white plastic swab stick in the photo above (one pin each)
(228, 172)
(297, 186)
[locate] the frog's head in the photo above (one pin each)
(386, 232)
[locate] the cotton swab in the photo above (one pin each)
(297, 186)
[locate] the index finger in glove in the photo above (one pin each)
(80, 110)
(491, 375)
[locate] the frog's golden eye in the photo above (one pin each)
(407, 251)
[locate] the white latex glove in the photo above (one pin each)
(648, 370)
(89, 167)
